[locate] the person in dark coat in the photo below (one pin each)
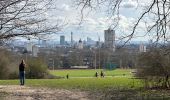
(96, 74)
(102, 74)
(67, 76)
(22, 72)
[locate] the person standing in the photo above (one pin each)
(22, 72)
(67, 76)
(96, 74)
(102, 74)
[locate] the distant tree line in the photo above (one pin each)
(99, 58)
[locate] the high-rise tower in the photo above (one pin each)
(109, 36)
(71, 38)
(62, 40)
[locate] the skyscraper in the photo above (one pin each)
(109, 36)
(80, 44)
(62, 40)
(71, 38)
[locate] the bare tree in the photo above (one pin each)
(25, 17)
(157, 11)
(154, 66)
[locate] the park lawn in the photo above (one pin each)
(119, 88)
(80, 83)
(91, 72)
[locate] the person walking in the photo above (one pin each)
(67, 76)
(102, 74)
(96, 74)
(22, 72)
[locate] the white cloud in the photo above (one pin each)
(90, 21)
(97, 23)
(65, 7)
(129, 4)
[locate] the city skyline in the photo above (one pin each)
(95, 22)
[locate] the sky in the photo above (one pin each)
(94, 22)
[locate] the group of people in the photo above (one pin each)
(101, 74)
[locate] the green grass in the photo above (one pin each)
(80, 83)
(111, 87)
(91, 72)
(84, 79)
(119, 88)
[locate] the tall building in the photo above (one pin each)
(142, 48)
(71, 38)
(80, 44)
(62, 40)
(109, 36)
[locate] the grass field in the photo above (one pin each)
(111, 87)
(80, 83)
(84, 79)
(91, 72)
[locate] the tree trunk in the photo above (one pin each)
(167, 82)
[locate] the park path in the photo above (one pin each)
(16, 92)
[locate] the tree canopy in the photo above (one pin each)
(25, 17)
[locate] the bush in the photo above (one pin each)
(8, 64)
(36, 68)
(4, 61)
(154, 68)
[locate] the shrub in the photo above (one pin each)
(4, 61)
(36, 68)
(154, 68)
(7, 65)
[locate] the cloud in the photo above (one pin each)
(102, 23)
(97, 23)
(65, 7)
(90, 21)
(129, 4)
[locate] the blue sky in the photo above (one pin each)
(96, 21)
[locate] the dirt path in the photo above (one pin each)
(16, 92)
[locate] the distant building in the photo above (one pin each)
(62, 40)
(142, 48)
(71, 38)
(90, 41)
(80, 44)
(98, 44)
(35, 50)
(44, 43)
(79, 67)
(109, 36)
(29, 47)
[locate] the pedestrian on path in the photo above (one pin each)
(22, 72)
